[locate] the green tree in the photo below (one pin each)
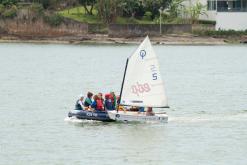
(175, 8)
(107, 10)
(10, 12)
(196, 10)
(8, 2)
(48, 4)
(86, 4)
(130, 7)
(2, 8)
(153, 6)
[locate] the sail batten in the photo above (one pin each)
(142, 84)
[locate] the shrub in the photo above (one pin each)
(50, 4)
(1, 9)
(147, 16)
(8, 2)
(208, 22)
(37, 9)
(54, 19)
(132, 20)
(45, 3)
(10, 13)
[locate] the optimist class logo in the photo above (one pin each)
(142, 54)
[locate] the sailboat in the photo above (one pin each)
(142, 86)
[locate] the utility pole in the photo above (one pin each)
(160, 10)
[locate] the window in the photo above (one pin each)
(232, 6)
(211, 5)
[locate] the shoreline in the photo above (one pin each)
(171, 39)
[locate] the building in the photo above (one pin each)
(228, 14)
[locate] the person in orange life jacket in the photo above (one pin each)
(79, 103)
(108, 102)
(120, 107)
(97, 104)
(88, 100)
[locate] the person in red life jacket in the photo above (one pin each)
(97, 103)
(108, 102)
(101, 97)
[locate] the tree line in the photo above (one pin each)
(109, 10)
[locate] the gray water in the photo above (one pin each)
(206, 87)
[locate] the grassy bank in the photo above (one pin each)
(79, 14)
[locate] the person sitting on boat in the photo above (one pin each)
(108, 102)
(79, 103)
(134, 109)
(101, 96)
(150, 111)
(118, 99)
(88, 100)
(114, 99)
(141, 109)
(97, 103)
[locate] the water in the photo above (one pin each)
(206, 87)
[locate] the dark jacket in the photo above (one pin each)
(78, 105)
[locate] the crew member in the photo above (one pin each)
(108, 102)
(79, 103)
(97, 103)
(114, 99)
(150, 111)
(88, 100)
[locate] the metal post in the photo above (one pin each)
(160, 10)
(160, 24)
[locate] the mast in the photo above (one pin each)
(126, 65)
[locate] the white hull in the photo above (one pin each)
(135, 116)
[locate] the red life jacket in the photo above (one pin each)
(99, 105)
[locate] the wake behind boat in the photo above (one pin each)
(142, 86)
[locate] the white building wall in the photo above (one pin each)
(231, 21)
(210, 15)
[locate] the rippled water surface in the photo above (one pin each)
(206, 87)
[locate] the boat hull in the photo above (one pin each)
(89, 115)
(137, 117)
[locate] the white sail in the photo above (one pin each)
(142, 84)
